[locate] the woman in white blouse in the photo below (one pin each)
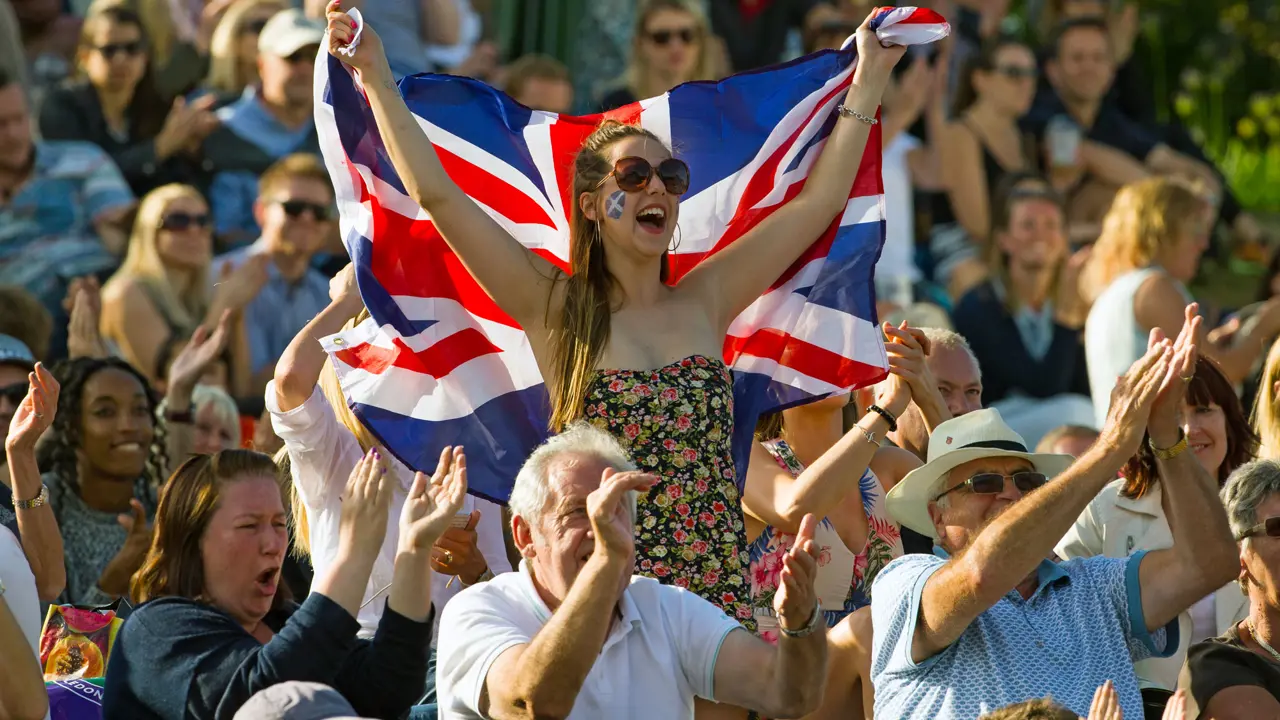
(1128, 515)
(324, 441)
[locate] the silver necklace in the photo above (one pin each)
(1258, 639)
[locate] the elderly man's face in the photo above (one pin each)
(961, 514)
(1260, 559)
(960, 383)
(560, 542)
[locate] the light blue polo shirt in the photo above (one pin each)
(1081, 627)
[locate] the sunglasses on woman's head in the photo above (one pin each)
(634, 173)
(110, 50)
(1269, 527)
(991, 483)
(180, 221)
(663, 37)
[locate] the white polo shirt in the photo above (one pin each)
(657, 657)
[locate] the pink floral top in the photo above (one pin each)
(844, 579)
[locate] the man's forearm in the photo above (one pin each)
(1201, 535)
(553, 667)
(1013, 545)
(41, 541)
(799, 673)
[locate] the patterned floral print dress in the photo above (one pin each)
(884, 543)
(677, 422)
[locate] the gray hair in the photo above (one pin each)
(1245, 490)
(951, 340)
(532, 489)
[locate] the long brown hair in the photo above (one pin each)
(984, 61)
(1208, 386)
(637, 70)
(583, 331)
(148, 108)
(1015, 189)
(174, 566)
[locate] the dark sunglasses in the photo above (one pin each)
(295, 209)
(14, 393)
(110, 50)
(1014, 72)
(662, 37)
(634, 173)
(179, 221)
(990, 483)
(1269, 527)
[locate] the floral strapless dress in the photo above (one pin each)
(677, 422)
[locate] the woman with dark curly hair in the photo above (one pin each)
(1129, 516)
(105, 462)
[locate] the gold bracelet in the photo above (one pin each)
(1172, 452)
(40, 499)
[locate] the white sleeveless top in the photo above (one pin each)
(1113, 339)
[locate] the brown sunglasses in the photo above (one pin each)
(634, 173)
(1269, 527)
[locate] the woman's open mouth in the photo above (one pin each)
(653, 219)
(267, 581)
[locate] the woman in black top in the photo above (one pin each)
(1241, 669)
(115, 105)
(213, 630)
(672, 45)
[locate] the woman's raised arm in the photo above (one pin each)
(737, 275)
(518, 280)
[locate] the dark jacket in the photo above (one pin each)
(177, 658)
(73, 112)
(1007, 366)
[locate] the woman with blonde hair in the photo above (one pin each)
(159, 295)
(672, 44)
(1136, 277)
(1266, 408)
(324, 440)
(233, 50)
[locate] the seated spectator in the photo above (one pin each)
(1073, 440)
(233, 51)
(575, 634)
(212, 628)
(103, 459)
(24, 318)
(540, 82)
(28, 520)
(271, 120)
(50, 37)
(759, 33)
(179, 48)
(1129, 514)
(295, 210)
(983, 143)
(115, 105)
(161, 293)
(991, 587)
(1023, 323)
(672, 45)
(1136, 276)
(64, 207)
(1238, 670)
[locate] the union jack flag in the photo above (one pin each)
(438, 363)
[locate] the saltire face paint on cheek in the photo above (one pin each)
(615, 204)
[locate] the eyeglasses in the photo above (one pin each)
(1018, 72)
(295, 209)
(14, 393)
(131, 49)
(1269, 527)
(990, 483)
(634, 173)
(179, 221)
(663, 37)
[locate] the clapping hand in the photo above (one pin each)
(1106, 703)
(433, 502)
(36, 411)
(907, 349)
(1166, 411)
(366, 502)
(796, 599)
(137, 542)
(200, 352)
(84, 302)
(1131, 400)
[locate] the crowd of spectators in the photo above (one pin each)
(178, 445)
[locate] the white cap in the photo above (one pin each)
(289, 31)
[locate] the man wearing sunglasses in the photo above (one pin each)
(294, 208)
(990, 619)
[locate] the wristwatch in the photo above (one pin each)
(1171, 452)
(34, 502)
(808, 629)
(485, 576)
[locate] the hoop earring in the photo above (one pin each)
(678, 238)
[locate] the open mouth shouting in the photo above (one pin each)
(653, 219)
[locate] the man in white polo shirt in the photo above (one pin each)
(574, 634)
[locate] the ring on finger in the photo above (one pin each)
(448, 557)
(1186, 378)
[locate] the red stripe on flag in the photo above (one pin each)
(812, 360)
(437, 361)
(493, 191)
